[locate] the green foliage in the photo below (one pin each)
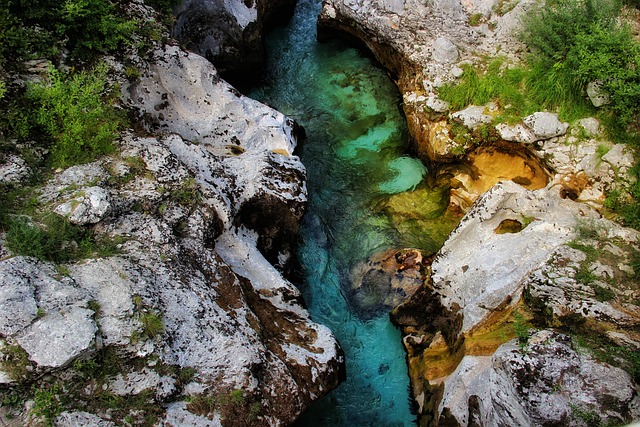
(476, 19)
(55, 240)
(30, 29)
(72, 112)
(495, 83)
(15, 361)
(521, 328)
(603, 293)
(164, 6)
(92, 26)
(627, 205)
(188, 194)
(152, 323)
(235, 407)
(48, 403)
(575, 42)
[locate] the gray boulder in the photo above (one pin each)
(472, 117)
(80, 419)
(545, 125)
(60, 337)
(546, 381)
(597, 95)
(13, 169)
(444, 51)
(87, 206)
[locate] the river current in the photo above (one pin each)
(365, 195)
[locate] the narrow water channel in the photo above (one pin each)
(365, 196)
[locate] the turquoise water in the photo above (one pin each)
(354, 154)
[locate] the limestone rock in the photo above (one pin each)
(88, 206)
(81, 419)
(545, 125)
(386, 279)
(479, 284)
(444, 51)
(18, 306)
(591, 126)
(472, 117)
(59, 338)
(13, 169)
(67, 181)
(229, 33)
(178, 415)
(209, 207)
(516, 133)
(539, 384)
(597, 95)
(136, 382)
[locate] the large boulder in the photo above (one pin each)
(518, 250)
(229, 33)
(545, 381)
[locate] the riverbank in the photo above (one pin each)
(482, 278)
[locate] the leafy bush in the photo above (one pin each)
(30, 29)
(92, 26)
(152, 323)
(72, 112)
(48, 403)
(56, 240)
(521, 328)
(575, 42)
(572, 42)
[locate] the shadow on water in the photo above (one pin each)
(354, 155)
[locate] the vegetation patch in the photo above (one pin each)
(236, 407)
(55, 239)
(521, 329)
(14, 361)
(74, 114)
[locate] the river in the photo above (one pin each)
(365, 195)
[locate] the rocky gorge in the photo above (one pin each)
(532, 248)
(192, 321)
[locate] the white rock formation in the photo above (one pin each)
(87, 206)
(193, 286)
(478, 269)
(545, 381)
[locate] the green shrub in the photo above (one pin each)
(72, 112)
(55, 240)
(15, 362)
(152, 324)
(575, 42)
(521, 328)
(30, 29)
(48, 403)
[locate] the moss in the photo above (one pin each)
(15, 361)
(476, 19)
(236, 407)
(509, 226)
(152, 323)
(542, 313)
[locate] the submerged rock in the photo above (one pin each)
(387, 279)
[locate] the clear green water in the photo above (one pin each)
(354, 155)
